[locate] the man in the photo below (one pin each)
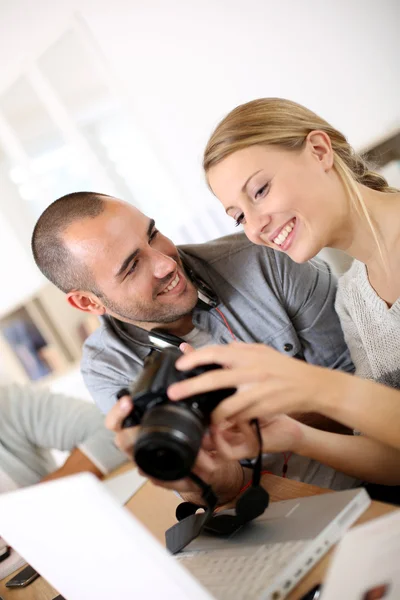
(111, 261)
(34, 421)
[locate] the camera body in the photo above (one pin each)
(171, 432)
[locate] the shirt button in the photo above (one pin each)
(288, 347)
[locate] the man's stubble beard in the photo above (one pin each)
(144, 315)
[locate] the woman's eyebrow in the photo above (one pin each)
(247, 180)
(244, 187)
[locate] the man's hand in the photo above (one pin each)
(124, 438)
(225, 477)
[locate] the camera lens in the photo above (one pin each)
(168, 442)
(164, 458)
(161, 457)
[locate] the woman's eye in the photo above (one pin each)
(261, 191)
(239, 220)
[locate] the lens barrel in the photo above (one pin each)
(169, 441)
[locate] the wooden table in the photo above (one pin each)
(155, 508)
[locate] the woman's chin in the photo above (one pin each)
(304, 247)
(301, 255)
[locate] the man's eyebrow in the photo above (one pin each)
(244, 187)
(127, 262)
(134, 254)
(150, 227)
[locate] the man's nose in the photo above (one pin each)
(163, 265)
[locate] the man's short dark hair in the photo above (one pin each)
(51, 255)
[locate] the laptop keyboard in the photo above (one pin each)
(240, 574)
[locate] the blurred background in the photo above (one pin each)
(120, 97)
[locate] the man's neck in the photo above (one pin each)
(180, 327)
(183, 326)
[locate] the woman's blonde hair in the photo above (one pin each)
(283, 123)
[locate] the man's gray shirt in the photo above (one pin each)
(265, 297)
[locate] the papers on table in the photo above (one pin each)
(365, 565)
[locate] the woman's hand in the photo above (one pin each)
(280, 434)
(268, 383)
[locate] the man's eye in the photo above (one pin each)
(261, 191)
(239, 220)
(153, 235)
(132, 268)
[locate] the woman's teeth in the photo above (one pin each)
(172, 285)
(284, 233)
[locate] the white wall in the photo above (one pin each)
(186, 63)
(19, 276)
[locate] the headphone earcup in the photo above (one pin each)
(186, 509)
(252, 503)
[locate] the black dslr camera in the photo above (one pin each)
(171, 432)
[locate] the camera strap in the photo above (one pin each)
(250, 505)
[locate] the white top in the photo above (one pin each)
(198, 338)
(371, 329)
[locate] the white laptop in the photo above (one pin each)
(76, 535)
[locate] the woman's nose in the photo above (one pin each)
(255, 228)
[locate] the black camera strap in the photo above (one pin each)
(190, 522)
(250, 505)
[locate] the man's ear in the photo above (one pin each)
(320, 146)
(86, 302)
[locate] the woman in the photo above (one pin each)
(297, 186)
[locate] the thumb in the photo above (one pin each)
(186, 348)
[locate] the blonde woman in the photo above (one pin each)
(297, 186)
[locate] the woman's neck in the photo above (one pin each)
(378, 245)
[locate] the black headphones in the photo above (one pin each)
(206, 294)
